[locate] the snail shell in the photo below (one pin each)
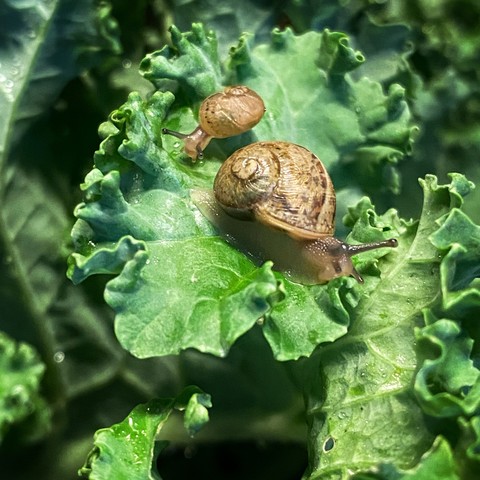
(282, 185)
(234, 111)
(231, 112)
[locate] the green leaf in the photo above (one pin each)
(195, 404)
(438, 462)
(362, 408)
(285, 328)
(106, 260)
(471, 437)
(446, 44)
(196, 414)
(132, 138)
(35, 66)
(461, 266)
(44, 46)
(443, 32)
(229, 19)
(189, 293)
(448, 383)
(129, 449)
(184, 287)
(211, 293)
(192, 63)
(357, 127)
(89, 379)
(21, 372)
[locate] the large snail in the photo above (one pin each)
(231, 112)
(283, 186)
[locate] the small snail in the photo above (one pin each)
(231, 112)
(285, 187)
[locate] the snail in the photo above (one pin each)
(231, 112)
(285, 188)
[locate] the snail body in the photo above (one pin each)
(285, 187)
(230, 112)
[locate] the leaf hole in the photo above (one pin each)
(328, 444)
(465, 390)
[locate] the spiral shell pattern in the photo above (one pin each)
(233, 111)
(282, 185)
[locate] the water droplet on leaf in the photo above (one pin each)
(59, 357)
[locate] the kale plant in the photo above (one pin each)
(169, 353)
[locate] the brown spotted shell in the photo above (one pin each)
(231, 112)
(282, 185)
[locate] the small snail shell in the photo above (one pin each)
(286, 187)
(231, 112)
